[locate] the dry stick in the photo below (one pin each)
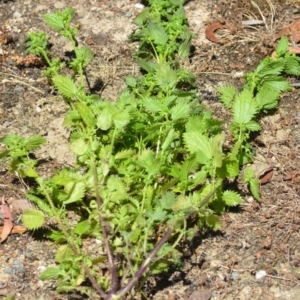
(112, 266)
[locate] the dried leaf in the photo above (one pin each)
(210, 31)
(290, 30)
(15, 229)
(8, 224)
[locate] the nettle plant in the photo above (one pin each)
(151, 168)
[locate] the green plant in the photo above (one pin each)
(147, 165)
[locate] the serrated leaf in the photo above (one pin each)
(217, 144)
(282, 46)
(227, 95)
(41, 203)
(63, 252)
(267, 98)
(253, 126)
(197, 142)
(165, 76)
(124, 154)
(105, 118)
(34, 142)
(130, 81)
(248, 174)
(79, 147)
(156, 215)
(54, 21)
(50, 273)
(244, 107)
(181, 203)
(231, 198)
(214, 222)
(82, 227)
(277, 83)
(86, 115)
(169, 139)
(158, 34)
(255, 188)
(121, 119)
(65, 86)
(232, 169)
(184, 47)
(167, 200)
(33, 219)
(76, 192)
(180, 111)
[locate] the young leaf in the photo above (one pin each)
(50, 273)
(86, 115)
(180, 111)
(282, 46)
(34, 142)
(213, 221)
(158, 34)
(255, 188)
(227, 95)
(65, 86)
(231, 198)
(79, 146)
(196, 142)
(76, 192)
(267, 98)
(54, 21)
(33, 219)
(253, 126)
(244, 107)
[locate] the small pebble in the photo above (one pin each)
(17, 15)
(10, 271)
(128, 14)
(234, 276)
(15, 254)
(20, 269)
(16, 262)
(18, 89)
(139, 5)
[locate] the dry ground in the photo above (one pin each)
(257, 236)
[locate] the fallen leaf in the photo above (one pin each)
(291, 49)
(15, 229)
(290, 30)
(210, 31)
(266, 176)
(292, 176)
(7, 217)
(200, 295)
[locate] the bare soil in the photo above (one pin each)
(255, 237)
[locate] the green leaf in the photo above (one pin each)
(180, 111)
(232, 169)
(76, 192)
(253, 126)
(248, 174)
(267, 98)
(34, 142)
(213, 221)
(158, 34)
(196, 142)
(166, 77)
(54, 21)
(227, 95)
(244, 107)
(50, 273)
(121, 119)
(167, 200)
(181, 203)
(63, 252)
(255, 188)
(124, 154)
(217, 144)
(82, 227)
(105, 118)
(282, 46)
(65, 86)
(86, 115)
(231, 198)
(130, 81)
(79, 147)
(277, 83)
(33, 219)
